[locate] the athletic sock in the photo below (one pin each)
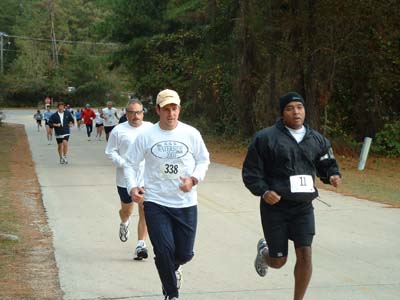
(141, 243)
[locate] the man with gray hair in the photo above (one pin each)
(110, 117)
(120, 139)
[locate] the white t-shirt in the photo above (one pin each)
(121, 137)
(109, 116)
(61, 115)
(98, 119)
(168, 154)
(298, 134)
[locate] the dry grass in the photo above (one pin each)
(379, 181)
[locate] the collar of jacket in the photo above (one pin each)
(281, 126)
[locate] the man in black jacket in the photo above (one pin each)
(61, 121)
(281, 165)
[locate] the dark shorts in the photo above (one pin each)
(60, 140)
(46, 122)
(99, 125)
(284, 221)
(108, 129)
(78, 119)
(123, 195)
(39, 122)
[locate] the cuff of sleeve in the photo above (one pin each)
(195, 181)
(265, 193)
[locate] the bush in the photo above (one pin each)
(387, 141)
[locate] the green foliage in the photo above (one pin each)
(387, 141)
(35, 73)
(229, 60)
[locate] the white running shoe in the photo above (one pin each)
(140, 253)
(179, 278)
(65, 160)
(259, 264)
(61, 160)
(124, 231)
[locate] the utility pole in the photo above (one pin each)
(53, 33)
(2, 35)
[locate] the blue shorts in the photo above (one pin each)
(123, 195)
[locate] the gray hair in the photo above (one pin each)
(134, 101)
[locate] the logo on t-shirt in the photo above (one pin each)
(169, 149)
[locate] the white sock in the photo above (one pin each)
(141, 243)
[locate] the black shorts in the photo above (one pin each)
(123, 195)
(284, 221)
(60, 140)
(108, 129)
(39, 122)
(46, 122)
(99, 125)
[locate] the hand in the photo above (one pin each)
(271, 197)
(137, 195)
(186, 185)
(335, 180)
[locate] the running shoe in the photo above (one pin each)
(259, 264)
(179, 277)
(124, 231)
(140, 253)
(61, 160)
(65, 160)
(168, 298)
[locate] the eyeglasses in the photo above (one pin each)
(139, 112)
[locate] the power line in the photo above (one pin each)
(61, 41)
(61, 54)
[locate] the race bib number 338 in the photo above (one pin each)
(170, 171)
(301, 184)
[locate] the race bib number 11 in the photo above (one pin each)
(301, 184)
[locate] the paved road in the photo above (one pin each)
(356, 251)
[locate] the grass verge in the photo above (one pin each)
(7, 211)
(378, 182)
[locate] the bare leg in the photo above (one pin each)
(302, 272)
(273, 262)
(60, 148)
(65, 147)
(125, 211)
(100, 131)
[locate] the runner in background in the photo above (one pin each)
(88, 116)
(49, 131)
(38, 117)
(78, 118)
(121, 138)
(61, 121)
(110, 117)
(99, 124)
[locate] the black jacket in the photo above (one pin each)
(274, 155)
(55, 119)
